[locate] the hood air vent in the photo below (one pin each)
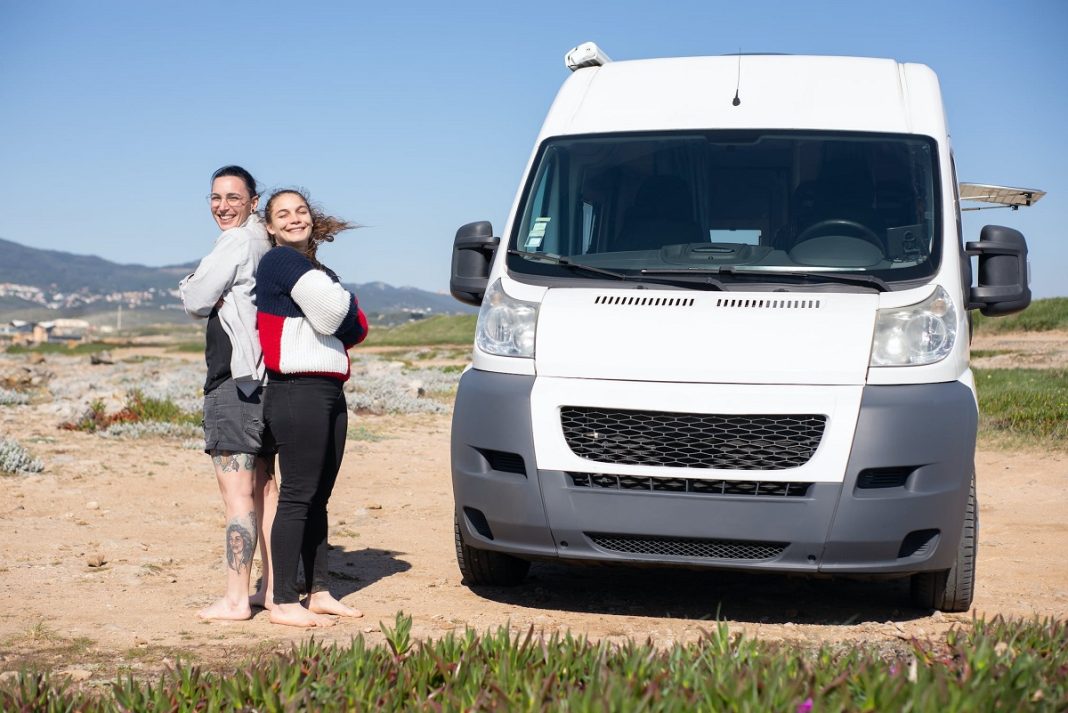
(644, 301)
(767, 304)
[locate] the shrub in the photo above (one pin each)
(9, 397)
(141, 410)
(381, 387)
(15, 459)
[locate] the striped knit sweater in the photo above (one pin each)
(306, 319)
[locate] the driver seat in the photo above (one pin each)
(844, 191)
(661, 214)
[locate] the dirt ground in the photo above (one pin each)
(150, 511)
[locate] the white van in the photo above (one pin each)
(728, 327)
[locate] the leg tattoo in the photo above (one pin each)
(240, 542)
(250, 461)
(226, 461)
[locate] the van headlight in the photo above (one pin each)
(506, 325)
(922, 333)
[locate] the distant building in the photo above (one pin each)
(62, 331)
(16, 332)
(69, 330)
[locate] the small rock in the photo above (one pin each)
(374, 506)
(8, 675)
(37, 358)
(103, 357)
(92, 505)
(369, 630)
(78, 674)
(97, 560)
(174, 580)
(938, 616)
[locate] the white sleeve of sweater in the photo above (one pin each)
(323, 301)
(214, 276)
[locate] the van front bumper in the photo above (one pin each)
(897, 509)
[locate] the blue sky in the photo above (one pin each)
(416, 117)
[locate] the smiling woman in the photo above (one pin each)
(222, 291)
(307, 322)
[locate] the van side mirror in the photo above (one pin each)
(1004, 282)
(472, 257)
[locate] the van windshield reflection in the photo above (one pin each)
(778, 203)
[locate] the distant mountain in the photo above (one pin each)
(66, 272)
(380, 298)
(41, 284)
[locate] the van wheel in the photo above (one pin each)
(484, 567)
(951, 590)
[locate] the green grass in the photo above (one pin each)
(143, 408)
(192, 347)
(1024, 406)
(984, 353)
(54, 348)
(440, 329)
(1042, 316)
(362, 433)
(996, 666)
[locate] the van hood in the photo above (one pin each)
(705, 337)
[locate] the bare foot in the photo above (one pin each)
(261, 600)
(227, 610)
(324, 603)
(295, 615)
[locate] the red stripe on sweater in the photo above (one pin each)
(270, 327)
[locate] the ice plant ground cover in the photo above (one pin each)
(15, 459)
(988, 666)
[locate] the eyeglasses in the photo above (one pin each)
(232, 199)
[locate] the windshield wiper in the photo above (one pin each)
(560, 260)
(708, 283)
(848, 279)
(843, 278)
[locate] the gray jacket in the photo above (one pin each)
(229, 273)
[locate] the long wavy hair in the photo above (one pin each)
(324, 227)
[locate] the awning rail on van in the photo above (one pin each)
(999, 196)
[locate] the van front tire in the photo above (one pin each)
(951, 590)
(484, 567)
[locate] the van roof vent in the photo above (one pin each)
(644, 301)
(761, 303)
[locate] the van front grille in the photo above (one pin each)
(692, 440)
(698, 486)
(687, 547)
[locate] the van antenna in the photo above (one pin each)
(736, 101)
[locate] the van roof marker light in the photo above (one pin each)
(588, 54)
(1000, 196)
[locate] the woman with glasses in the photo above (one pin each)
(222, 291)
(307, 322)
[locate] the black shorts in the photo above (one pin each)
(233, 422)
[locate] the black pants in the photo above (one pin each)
(307, 419)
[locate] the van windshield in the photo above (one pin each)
(731, 203)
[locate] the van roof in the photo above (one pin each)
(775, 92)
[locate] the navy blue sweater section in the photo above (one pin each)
(278, 272)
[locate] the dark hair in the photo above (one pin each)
(238, 172)
(324, 227)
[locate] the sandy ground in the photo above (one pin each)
(151, 511)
